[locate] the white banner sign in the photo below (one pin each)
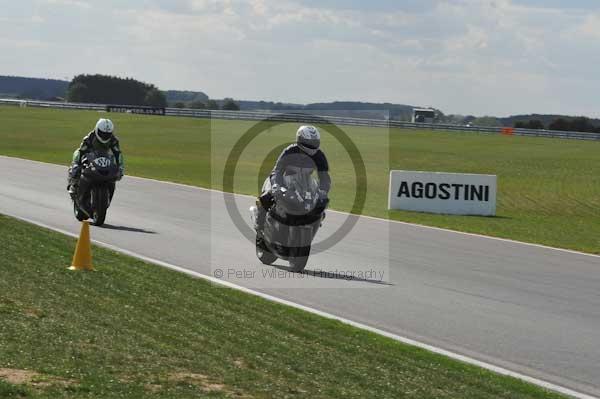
(451, 193)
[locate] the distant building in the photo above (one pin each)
(423, 115)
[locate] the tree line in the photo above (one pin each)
(227, 104)
(43, 89)
(103, 89)
(113, 90)
(579, 124)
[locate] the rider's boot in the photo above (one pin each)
(72, 188)
(261, 215)
(73, 180)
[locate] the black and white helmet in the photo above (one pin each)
(104, 130)
(308, 139)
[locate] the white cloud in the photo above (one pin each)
(589, 28)
(69, 3)
(259, 7)
(468, 56)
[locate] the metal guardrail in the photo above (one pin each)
(53, 104)
(307, 118)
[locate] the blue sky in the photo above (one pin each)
(495, 57)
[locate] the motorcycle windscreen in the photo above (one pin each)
(302, 187)
(301, 179)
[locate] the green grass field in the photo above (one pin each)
(121, 332)
(549, 189)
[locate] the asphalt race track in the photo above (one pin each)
(526, 308)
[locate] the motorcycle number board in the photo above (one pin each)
(446, 193)
(102, 162)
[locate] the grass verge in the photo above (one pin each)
(136, 330)
(549, 190)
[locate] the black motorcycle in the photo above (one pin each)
(292, 222)
(96, 187)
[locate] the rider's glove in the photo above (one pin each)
(74, 171)
(323, 198)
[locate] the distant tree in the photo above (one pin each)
(581, 124)
(32, 88)
(155, 98)
(486, 121)
(104, 89)
(174, 96)
(535, 124)
(230, 105)
(179, 104)
(559, 124)
(454, 119)
(77, 92)
(33, 93)
(212, 104)
(469, 119)
(197, 105)
(531, 124)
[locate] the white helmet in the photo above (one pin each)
(104, 130)
(308, 139)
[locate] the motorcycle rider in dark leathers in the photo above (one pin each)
(101, 138)
(306, 155)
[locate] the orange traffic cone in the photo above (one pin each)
(82, 259)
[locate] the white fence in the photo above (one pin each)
(307, 118)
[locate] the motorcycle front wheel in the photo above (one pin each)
(79, 214)
(99, 205)
(263, 254)
(298, 262)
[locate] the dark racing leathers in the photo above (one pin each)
(91, 143)
(292, 160)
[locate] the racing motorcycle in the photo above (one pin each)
(96, 187)
(292, 222)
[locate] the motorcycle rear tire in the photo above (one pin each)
(99, 205)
